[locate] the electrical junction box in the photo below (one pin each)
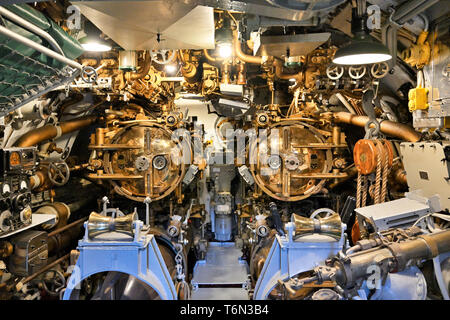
(427, 166)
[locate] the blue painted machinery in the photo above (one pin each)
(111, 251)
(289, 257)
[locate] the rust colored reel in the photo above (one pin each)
(366, 152)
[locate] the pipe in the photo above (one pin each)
(62, 238)
(143, 71)
(211, 58)
(31, 27)
(30, 43)
(48, 132)
(393, 129)
(422, 247)
(345, 103)
(70, 225)
(240, 54)
(408, 14)
(286, 76)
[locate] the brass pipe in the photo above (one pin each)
(390, 128)
(36, 136)
(211, 58)
(400, 176)
(145, 68)
(240, 54)
(37, 179)
(285, 76)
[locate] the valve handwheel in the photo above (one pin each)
(163, 57)
(58, 173)
(53, 282)
(357, 72)
(335, 72)
(379, 70)
(89, 74)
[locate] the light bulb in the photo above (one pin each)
(170, 68)
(225, 50)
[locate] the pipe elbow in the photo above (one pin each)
(241, 55)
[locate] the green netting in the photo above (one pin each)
(24, 72)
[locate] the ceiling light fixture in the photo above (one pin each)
(94, 45)
(363, 49)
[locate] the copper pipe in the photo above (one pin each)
(211, 58)
(36, 136)
(70, 225)
(145, 68)
(62, 238)
(240, 54)
(400, 176)
(390, 128)
(37, 179)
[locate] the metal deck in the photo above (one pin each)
(222, 267)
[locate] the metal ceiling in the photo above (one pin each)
(135, 25)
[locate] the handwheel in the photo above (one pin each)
(53, 282)
(88, 74)
(58, 173)
(163, 56)
(357, 72)
(379, 70)
(335, 72)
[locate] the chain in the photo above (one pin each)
(181, 285)
(367, 104)
(179, 262)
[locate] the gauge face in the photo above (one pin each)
(286, 163)
(150, 162)
(14, 159)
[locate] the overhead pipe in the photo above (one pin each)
(48, 132)
(31, 27)
(240, 54)
(36, 46)
(211, 58)
(410, 9)
(390, 128)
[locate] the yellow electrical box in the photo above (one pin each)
(418, 99)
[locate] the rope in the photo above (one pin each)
(386, 170)
(358, 191)
(377, 194)
(365, 187)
